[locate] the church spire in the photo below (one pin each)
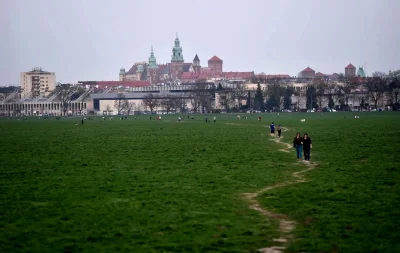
(152, 59)
(177, 55)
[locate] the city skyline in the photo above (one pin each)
(94, 43)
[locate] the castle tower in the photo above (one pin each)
(122, 74)
(177, 55)
(176, 65)
(350, 71)
(152, 60)
(152, 67)
(361, 72)
(196, 64)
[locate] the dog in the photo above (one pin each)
(303, 120)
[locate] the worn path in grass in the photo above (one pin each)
(286, 225)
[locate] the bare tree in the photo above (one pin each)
(198, 97)
(65, 92)
(237, 94)
(151, 101)
(225, 96)
(168, 103)
(320, 86)
(138, 107)
(108, 109)
(395, 90)
(180, 104)
(275, 95)
(119, 103)
(376, 87)
(334, 94)
(347, 88)
(128, 106)
(362, 98)
(379, 74)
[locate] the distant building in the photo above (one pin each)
(361, 72)
(321, 75)
(196, 64)
(215, 64)
(307, 73)
(334, 77)
(37, 83)
(350, 71)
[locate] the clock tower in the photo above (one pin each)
(176, 65)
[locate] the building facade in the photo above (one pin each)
(175, 71)
(350, 71)
(37, 83)
(215, 64)
(307, 73)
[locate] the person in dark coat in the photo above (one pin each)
(307, 145)
(279, 131)
(298, 144)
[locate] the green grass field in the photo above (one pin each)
(164, 186)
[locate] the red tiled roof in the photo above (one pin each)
(319, 74)
(308, 69)
(123, 83)
(350, 66)
(273, 76)
(237, 75)
(186, 75)
(215, 59)
(189, 76)
(206, 70)
(132, 70)
(203, 76)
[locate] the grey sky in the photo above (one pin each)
(92, 39)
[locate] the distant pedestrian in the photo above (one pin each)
(298, 144)
(279, 131)
(272, 128)
(215, 119)
(82, 121)
(259, 119)
(206, 120)
(307, 145)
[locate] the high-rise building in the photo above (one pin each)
(37, 83)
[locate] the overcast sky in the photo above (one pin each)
(93, 39)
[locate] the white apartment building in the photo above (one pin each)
(37, 83)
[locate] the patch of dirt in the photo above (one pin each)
(286, 225)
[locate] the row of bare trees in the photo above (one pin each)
(372, 89)
(150, 102)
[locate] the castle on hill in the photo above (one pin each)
(177, 69)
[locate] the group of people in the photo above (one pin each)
(301, 144)
(272, 128)
(208, 121)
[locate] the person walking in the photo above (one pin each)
(279, 131)
(298, 144)
(307, 145)
(215, 119)
(272, 128)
